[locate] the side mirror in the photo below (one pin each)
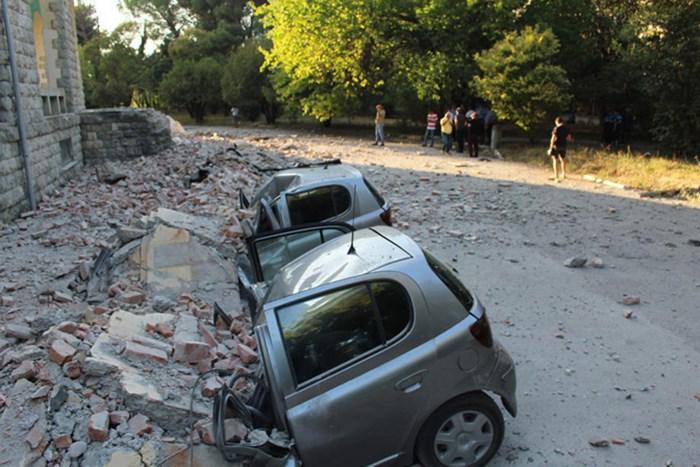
(242, 200)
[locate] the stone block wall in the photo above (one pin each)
(54, 141)
(123, 133)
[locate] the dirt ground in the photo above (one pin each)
(588, 366)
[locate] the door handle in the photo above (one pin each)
(411, 383)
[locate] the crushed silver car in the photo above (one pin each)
(313, 193)
(374, 353)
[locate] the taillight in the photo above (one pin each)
(386, 217)
(481, 330)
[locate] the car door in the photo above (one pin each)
(361, 374)
(269, 252)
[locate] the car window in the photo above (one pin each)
(451, 281)
(375, 193)
(275, 252)
(318, 205)
(325, 332)
(394, 307)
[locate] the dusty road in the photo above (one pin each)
(585, 370)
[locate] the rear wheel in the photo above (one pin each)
(465, 432)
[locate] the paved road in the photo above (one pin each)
(584, 369)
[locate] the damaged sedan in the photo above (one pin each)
(373, 353)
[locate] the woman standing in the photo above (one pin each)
(446, 131)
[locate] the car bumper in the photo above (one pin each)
(502, 379)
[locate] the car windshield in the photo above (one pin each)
(451, 281)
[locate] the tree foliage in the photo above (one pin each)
(86, 24)
(519, 78)
(113, 71)
(245, 86)
(666, 49)
(193, 86)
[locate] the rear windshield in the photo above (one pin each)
(451, 281)
(374, 192)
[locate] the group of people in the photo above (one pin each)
(457, 126)
(467, 126)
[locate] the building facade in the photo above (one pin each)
(51, 90)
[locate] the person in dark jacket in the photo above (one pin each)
(475, 131)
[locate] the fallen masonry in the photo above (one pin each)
(101, 349)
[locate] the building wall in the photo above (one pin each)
(123, 133)
(51, 106)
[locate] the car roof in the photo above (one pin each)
(375, 248)
(300, 177)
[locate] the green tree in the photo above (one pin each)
(112, 70)
(86, 24)
(194, 86)
(245, 86)
(167, 15)
(519, 79)
(667, 40)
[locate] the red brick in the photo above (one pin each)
(62, 441)
(118, 417)
(236, 326)
(100, 310)
(163, 329)
(98, 426)
(68, 326)
(142, 352)
(132, 297)
(208, 336)
(190, 351)
(211, 387)
(139, 425)
(60, 351)
(72, 369)
(27, 370)
(246, 354)
(249, 341)
(185, 298)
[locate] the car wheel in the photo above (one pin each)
(465, 432)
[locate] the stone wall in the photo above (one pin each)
(54, 141)
(123, 133)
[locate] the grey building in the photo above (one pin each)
(41, 42)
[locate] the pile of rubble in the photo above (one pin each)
(107, 307)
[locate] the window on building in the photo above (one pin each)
(66, 151)
(318, 205)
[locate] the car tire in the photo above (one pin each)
(447, 437)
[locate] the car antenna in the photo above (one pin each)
(352, 251)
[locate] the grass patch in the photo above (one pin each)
(643, 172)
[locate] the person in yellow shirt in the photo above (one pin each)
(446, 131)
(379, 125)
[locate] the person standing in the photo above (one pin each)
(475, 130)
(379, 125)
(446, 132)
(460, 125)
(557, 147)
(430, 129)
